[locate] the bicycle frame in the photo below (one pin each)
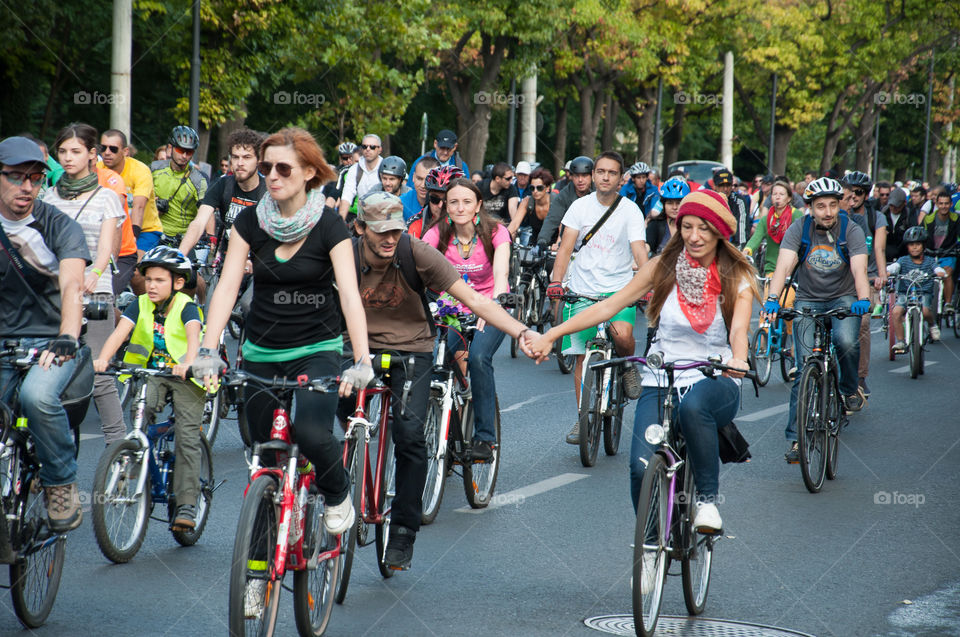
(604, 345)
(371, 498)
(455, 389)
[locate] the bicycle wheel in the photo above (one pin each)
(437, 459)
(204, 498)
(356, 459)
(650, 539)
(697, 557)
(916, 341)
(313, 587)
(388, 489)
(119, 515)
(956, 311)
(811, 428)
(564, 361)
(210, 424)
(520, 313)
(834, 419)
(760, 355)
(254, 596)
(788, 359)
(591, 392)
(480, 477)
(612, 425)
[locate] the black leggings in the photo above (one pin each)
(313, 413)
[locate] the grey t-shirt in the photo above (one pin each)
(880, 221)
(824, 275)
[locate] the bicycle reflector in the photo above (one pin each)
(654, 434)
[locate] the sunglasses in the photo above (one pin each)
(283, 169)
(112, 149)
(345, 157)
(369, 146)
(17, 178)
(858, 192)
(184, 151)
(539, 188)
(435, 200)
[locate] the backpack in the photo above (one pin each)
(805, 239)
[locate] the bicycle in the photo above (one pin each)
(915, 328)
(665, 509)
(281, 528)
(768, 344)
(820, 410)
(941, 317)
(34, 552)
(135, 474)
(531, 290)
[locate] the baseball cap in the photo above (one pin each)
(20, 150)
(723, 177)
(897, 198)
(446, 139)
(381, 212)
(769, 179)
(523, 168)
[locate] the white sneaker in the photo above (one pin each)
(253, 598)
(649, 576)
(338, 518)
(934, 333)
(707, 519)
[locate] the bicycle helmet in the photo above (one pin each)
(347, 148)
(439, 178)
(674, 188)
(823, 187)
(855, 179)
(639, 168)
(581, 165)
(185, 137)
(168, 258)
(916, 234)
(393, 165)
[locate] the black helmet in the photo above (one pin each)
(393, 165)
(856, 178)
(185, 137)
(168, 258)
(916, 234)
(581, 165)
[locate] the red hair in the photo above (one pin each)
(308, 153)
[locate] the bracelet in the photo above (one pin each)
(525, 329)
(773, 297)
(98, 272)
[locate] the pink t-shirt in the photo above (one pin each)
(477, 267)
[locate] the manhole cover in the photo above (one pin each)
(689, 627)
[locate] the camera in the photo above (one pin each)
(163, 206)
(96, 310)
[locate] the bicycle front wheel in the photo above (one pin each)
(650, 546)
(612, 425)
(916, 341)
(204, 498)
(313, 587)
(437, 459)
(388, 489)
(835, 417)
(812, 428)
(254, 596)
(591, 394)
(760, 355)
(119, 514)
(356, 458)
(212, 411)
(564, 361)
(697, 557)
(480, 477)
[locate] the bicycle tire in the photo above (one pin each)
(650, 540)
(212, 412)
(313, 588)
(253, 553)
(811, 430)
(916, 342)
(613, 425)
(436, 467)
(356, 459)
(520, 313)
(835, 415)
(480, 478)
(388, 490)
(590, 418)
(120, 458)
(697, 560)
(760, 355)
(204, 498)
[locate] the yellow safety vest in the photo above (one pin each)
(140, 349)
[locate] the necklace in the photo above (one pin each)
(465, 247)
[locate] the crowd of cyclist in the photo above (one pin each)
(339, 262)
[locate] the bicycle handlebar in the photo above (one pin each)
(789, 313)
(324, 384)
(655, 361)
(116, 369)
(573, 297)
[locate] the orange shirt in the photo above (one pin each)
(111, 180)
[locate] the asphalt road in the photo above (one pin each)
(872, 554)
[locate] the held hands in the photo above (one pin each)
(737, 363)
(540, 347)
(525, 340)
(359, 376)
(861, 307)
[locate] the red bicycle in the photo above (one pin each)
(281, 528)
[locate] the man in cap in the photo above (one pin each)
(444, 151)
(899, 220)
(739, 206)
(522, 171)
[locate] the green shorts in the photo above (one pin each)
(577, 343)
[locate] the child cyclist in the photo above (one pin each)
(164, 327)
(914, 238)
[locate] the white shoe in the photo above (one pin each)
(649, 576)
(338, 518)
(934, 333)
(253, 598)
(707, 519)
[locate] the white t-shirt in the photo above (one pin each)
(370, 178)
(605, 264)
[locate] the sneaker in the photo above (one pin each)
(631, 382)
(482, 450)
(934, 333)
(253, 598)
(649, 575)
(853, 402)
(399, 551)
(899, 347)
(63, 507)
(185, 519)
(338, 517)
(707, 518)
(793, 454)
(878, 311)
(573, 438)
(863, 389)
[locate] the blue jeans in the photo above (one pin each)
(525, 235)
(706, 407)
(480, 365)
(846, 339)
(46, 418)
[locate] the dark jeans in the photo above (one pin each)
(706, 407)
(484, 388)
(313, 415)
(410, 447)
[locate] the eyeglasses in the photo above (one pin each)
(508, 177)
(369, 146)
(184, 151)
(17, 178)
(283, 169)
(859, 192)
(539, 188)
(346, 157)
(436, 200)
(113, 149)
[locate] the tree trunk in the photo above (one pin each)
(203, 151)
(648, 120)
(672, 138)
(227, 128)
(781, 143)
(591, 109)
(560, 144)
(52, 99)
(611, 109)
(866, 139)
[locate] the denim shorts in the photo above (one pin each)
(927, 300)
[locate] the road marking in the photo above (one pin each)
(906, 368)
(517, 496)
(765, 413)
(528, 401)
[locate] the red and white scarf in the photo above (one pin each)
(698, 288)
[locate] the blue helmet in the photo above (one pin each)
(674, 188)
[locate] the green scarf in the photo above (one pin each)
(69, 188)
(290, 229)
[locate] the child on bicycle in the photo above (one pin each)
(915, 239)
(164, 327)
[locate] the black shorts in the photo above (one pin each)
(126, 266)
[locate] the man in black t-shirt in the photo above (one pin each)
(500, 195)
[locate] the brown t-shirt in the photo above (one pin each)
(395, 314)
